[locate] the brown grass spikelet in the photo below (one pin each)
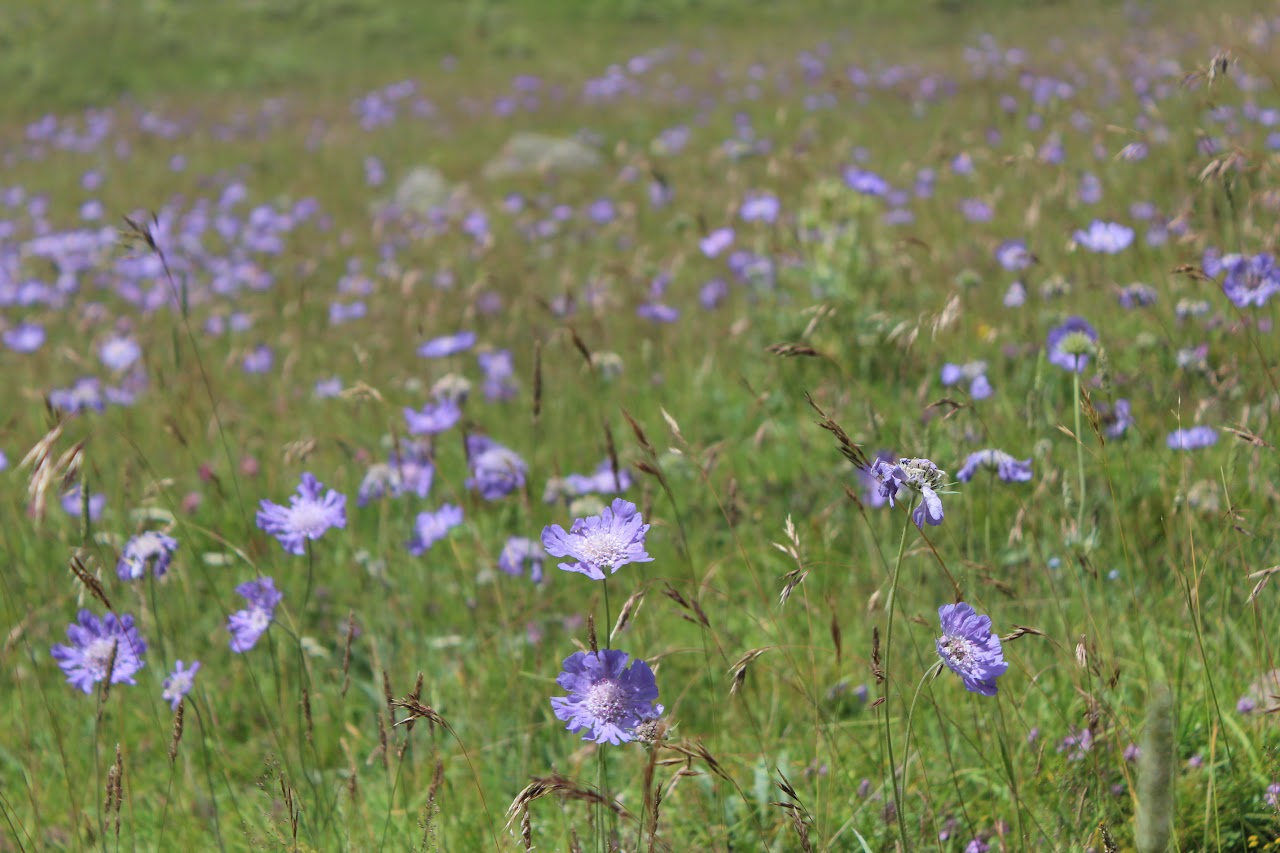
(877, 669)
(740, 667)
(176, 738)
(115, 789)
(580, 345)
(1021, 631)
(640, 435)
(563, 788)
(629, 608)
(851, 449)
(537, 379)
(306, 713)
(418, 711)
(792, 579)
(785, 350)
(89, 581)
(801, 820)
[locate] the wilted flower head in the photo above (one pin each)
(1108, 238)
(179, 683)
(607, 698)
(609, 540)
(93, 644)
(1070, 344)
(969, 649)
(1192, 438)
(307, 517)
(519, 552)
(921, 476)
(431, 527)
(149, 548)
(248, 625)
(1007, 468)
(496, 471)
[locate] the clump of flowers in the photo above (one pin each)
(311, 512)
(610, 540)
(1007, 468)
(248, 625)
(98, 648)
(974, 372)
(151, 548)
(1248, 280)
(920, 476)
(608, 700)
(969, 649)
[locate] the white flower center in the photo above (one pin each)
(97, 654)
(179, 685)
(309, 518)
(604, 548)
(959, 650)
(605, 701)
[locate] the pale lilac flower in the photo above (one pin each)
(496, 471)
(148, 548)
(85, 395)
(1249, 281)
(73, 504)
(1109, 238)
(434, 417)
(430, 527)
(759, 207)
(93, 641)
(969, 649)
(1192, 438)
(607, 698)
(1070, 344)
(326, 389)
(248, 625)
(307, 517)
(713, 293)
(119, 353)
(259, 360)
(24, 338)
(448, 345)
(1076, 744)
(519, 552)
(1116, 421)
(179, 683)
(1016, 295)
(1007, 468)
(920, 476)
(610, 540)
(716, 242)
(865, 182)
(1014, 256)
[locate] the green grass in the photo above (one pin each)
(1141, 580)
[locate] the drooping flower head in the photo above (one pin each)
(309, 514)
(430, 527)
(969, 649)
(609, 540)
(1070, 344)
(496, 471)
(920, 476)
(607, 699)
(1007, 468)
(248, 625)
(519, 552)
(149, 548)
(1192, 438)
(93, 643)
(179, 683)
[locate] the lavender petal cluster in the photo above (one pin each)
(918, 475)
(519, 552)
(150, 548)
(310, 513)
(248, 625)
(969, 649)
(496, 471)
(430, 527)
(1007, 468)
(608, 699)
(96, 645)
(1070, 344)
(610, 540)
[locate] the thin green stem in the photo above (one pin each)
(1075, 406)
(888, 648)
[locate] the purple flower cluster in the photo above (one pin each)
(151, 548)
(496, 471)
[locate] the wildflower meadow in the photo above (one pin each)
(640, 426)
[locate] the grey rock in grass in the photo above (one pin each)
(422, 190)
(537, 153)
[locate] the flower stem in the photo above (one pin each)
(888, 647)
(1075, 405)
(608, 621)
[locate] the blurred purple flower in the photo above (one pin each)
(119, 353)
(96, 643)
(1014, 256)
(259, 360)
(1007, 468)
(307, 517)
(1192, 438)
(179, 683)
(1109, 238)
(716, 242)
(24, 338)
(1070, 344)
(496, 471)
(430, 527)
(248, 625)
(73, 504)
(1249, 281)
(519, 552)
(448, 345)
(148, 548)
(434, 417)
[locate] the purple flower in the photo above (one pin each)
(1246, 705)
(434, 417)
(607, 699)
(1108, 238)
(1076, 744)
(873, 494)
(519, 552)
(430, 527)
(969, 649)
(980, 388)
(716, 242)
(326, 389)
(259, 360)
(1014, 256)
(1249, 281)
(920, 476)
(1016, 295)
(24, 338)
(496, 471)
(84, 395)
(248, 625)
(93, 642)
(73, 504)
(448, 345)
(658, 312)
(1007, 468)
(1118, 419)
(1137, 295)
(1070, 344)
(761, 207)
(150, 548)
(610, 540)
(179, 683)
(864, 182)
(1193, 438)
(307, 517)
(713, 293)
(409, 470)
(119, 353)
(603, 481)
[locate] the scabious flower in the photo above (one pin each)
(920, 476)
(1007, 468)
(1117, 420)
(1070, 344)
(1108, 238)
(608, 700)
(259, 360)
(149, 548)
(969, 649)
(974, 372)
(1014, 256)
(248, 625)
(499, 371)
(434, 417)
(179, 683)
(609, 540)
(430, 527)
(119, 353)
(1249, 281)
(448, 345)
(1076, 744)
(1192, 438)
(519, 552)
(496, 471)
(603, 481)
(307, 517)
(716, 242)
(93, 643)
